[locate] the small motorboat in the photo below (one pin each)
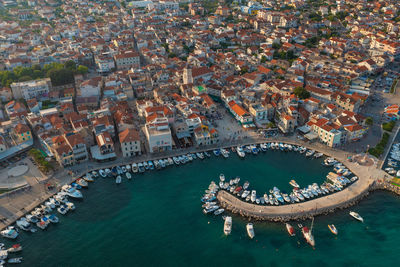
(356, 216)
(14, 248)
(15, 260)
(128, 175)
(290, 230)
(88, 178)
(293, 183)
(118, 180)
(333, 229)
(228, 225)
(250, 230)
(218, 212)
(70, 206)
(10, 232)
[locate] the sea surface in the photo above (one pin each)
(156, 219)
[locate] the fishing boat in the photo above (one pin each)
(254, 149)
(128, 175)
(217, 152)
(253, 196)
(151, 165)
(333, 229)
(170, 161)
(207, 154)
(14, 248)
(10, 232)
(250, 230)
(118, 180)
(222, 177)
(246, 185)
(356, 216)
(293, 183)
(228, 225)
(290, 230)
(307, 233)
(62, 210)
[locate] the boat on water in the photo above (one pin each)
(217, 152)
(10, 232)
(218, 212)
(356, 216)
(15, 260)
(128, 175)
(293, 183)
(135, 168)
(228, 225)
(207, 154)
(290, 230)
(225, 153)
(307, 233)
(23, 224)
(88, 178)
(250, 230)
(318, 155)
(240, 152)
(333, 229)
(102, 173)
(3, 255)
(71, 192)
(309, 153)
(222, 177)
(14, 248)
(118, 180)
(82, 182)
(141, 167)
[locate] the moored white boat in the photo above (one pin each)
(10, 232)
(356, 216)
(128, 175)
(290, 230)
(228, 225)
(250, 230)
(118, 180)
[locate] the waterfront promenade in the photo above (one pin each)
(16, 204)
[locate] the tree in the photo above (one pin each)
(82, 69)
(60, 76)
(70, 64)
(301, 92)
(263, 59)
(369, 121)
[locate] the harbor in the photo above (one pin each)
(107, 206)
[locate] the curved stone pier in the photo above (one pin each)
(322, 205)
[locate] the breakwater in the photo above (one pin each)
(305, 210)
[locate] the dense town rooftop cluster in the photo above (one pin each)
(98, 79)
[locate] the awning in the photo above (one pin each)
(303, 129)
(311, 136)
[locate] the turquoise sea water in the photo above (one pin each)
(156, 220)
